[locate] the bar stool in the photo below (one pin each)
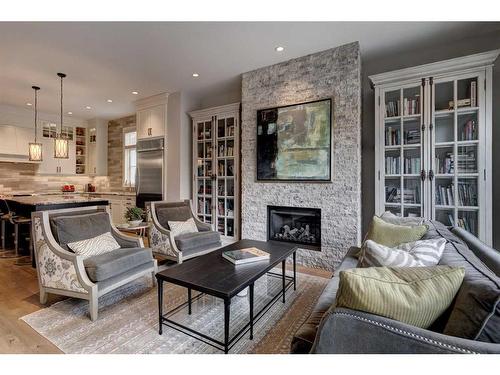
(17, 222)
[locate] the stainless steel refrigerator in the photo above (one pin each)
(150, 171)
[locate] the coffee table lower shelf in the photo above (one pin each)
(229, 342)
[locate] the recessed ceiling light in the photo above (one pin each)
(279, 49)
(135, 93)
(29, 104)
(88, 107)
(109, 101)
(195, 75)
(70, 113)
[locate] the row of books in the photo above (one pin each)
(204, 206)
(445, 165)
(469, 131)
(410, 195)
(467, 223)
(466, 162)
(229, 131)
(230, 189)
(467, 194)
(207, 134)
(392, 136)
(411, 106)
(392, 108)
(207, 190)
(225, 151)
(412, 136)
(392, 165)
(444, 195)
(412, 165)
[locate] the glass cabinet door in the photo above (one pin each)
(455, 162)
(403, 192)
(204, 172)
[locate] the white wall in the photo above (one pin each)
(24, 117)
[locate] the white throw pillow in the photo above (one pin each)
(389, 217)
(179, 227)
(101, 244)
(420, 253)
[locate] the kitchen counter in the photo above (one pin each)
(60, 193)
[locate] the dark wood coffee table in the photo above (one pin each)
(215, 276)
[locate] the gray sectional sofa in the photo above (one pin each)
(473, 317)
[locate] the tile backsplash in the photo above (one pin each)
(22, 177)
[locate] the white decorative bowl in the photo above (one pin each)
(135, 223)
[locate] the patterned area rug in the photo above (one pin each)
(128, 319)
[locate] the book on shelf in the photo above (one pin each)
(473, 93)
(220, 208)
(460, 103)
(451, 220)
(243, 256)
(468, 223)
(410, 195)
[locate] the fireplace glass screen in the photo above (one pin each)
(298, 225)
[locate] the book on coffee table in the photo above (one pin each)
(248, 255)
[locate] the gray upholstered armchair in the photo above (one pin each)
(183, 246)
(60, 271)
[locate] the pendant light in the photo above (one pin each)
(61, 145)
(35, 148)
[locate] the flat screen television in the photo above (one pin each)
(294, 142)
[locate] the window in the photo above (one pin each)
(129, 156)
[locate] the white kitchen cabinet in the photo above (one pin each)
(14, 141)
(97, 147)
(118, 205)
(433, 142)
(8, 145)
(151, 116)
(51, 165)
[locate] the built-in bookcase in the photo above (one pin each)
(433, 142)
(216, 168)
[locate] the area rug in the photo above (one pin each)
(128, 320)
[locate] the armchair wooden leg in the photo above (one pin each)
(93, 307)
(43, 297)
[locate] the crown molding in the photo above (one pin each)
(214, 111)
(152, 101)
(476, 61)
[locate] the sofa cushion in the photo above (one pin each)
(179, 227)
(475, 313)
(408, 221)
(391, 234)
(74, 228)
(103, 266)
(188, 241)
(176, 213)
(414, 295)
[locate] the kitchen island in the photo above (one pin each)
(25, 205)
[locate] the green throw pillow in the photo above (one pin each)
(392, 235)
(416, 295)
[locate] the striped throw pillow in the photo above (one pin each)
(101, 244)
(411, 254)
(416, 296)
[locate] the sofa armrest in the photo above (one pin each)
(349, 331)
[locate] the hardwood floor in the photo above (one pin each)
(19, 296)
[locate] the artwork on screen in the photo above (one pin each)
(294, 142)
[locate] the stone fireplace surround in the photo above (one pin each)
(336, 74)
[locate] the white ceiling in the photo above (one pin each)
(109, 60)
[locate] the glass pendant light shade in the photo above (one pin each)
(61, 144)
(61, 147)
(35, 148)
(35, 151)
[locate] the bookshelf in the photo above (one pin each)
(81, 150)
(216, 168)
(433, 142)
